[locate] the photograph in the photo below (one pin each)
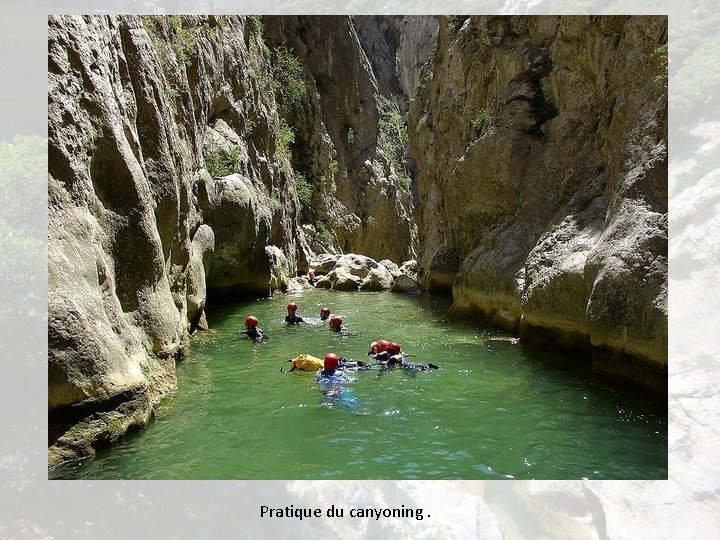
(357, 247)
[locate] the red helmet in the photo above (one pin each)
(292, 306)
(324, 310)
(373, 347)
(331, 361)
(335, 321)
(251, 321)
(393, 348)
(382, 345)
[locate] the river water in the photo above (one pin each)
(496, 409)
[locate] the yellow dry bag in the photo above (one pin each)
(306, 362)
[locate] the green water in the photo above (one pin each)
(496, 409)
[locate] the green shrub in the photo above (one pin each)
(303, 190)
(255, 26)
(285, 136)
(148, 22)
(185, 40)
(172, 91)
(288, 75)
(455, 22)
(222, 163)
(660, 61)
(482, 122)
(392, 137)
(249, 127)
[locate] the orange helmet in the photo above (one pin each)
(393, 348)
(382, 345)
(331, 361)
(336, 321)
(325, 310)
(251, 321)
(373, 347)
(292, 306)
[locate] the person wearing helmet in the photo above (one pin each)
(292, 316)
(336, 324)
(396, 358)
(330, 363)
(379, 350)
(312, 279)
(251, 328)
(331, 383)
(324, 313)
(330, 374)
(392, 357)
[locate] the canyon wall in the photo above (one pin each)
(542, 152)
(199, 156)
(348, 135)
(181, 154)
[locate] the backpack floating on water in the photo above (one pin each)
(305, 362)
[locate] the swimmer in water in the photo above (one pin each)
(292, 316)
(251, 328)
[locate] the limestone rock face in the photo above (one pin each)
(542, 153)
(415, 44)
(397, 47)
(201, 257)
(279, 268)
(139, 231)
(241, 217)
(343, 132)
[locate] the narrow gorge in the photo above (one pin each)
(518, 164)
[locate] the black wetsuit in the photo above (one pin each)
(398, 361)
(353, 365)
(294, 319)
(254, 333)
(343, 332)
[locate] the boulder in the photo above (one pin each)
(393, 268)
(404, 283)
(378, 279)
(358, 265)
(324, 282)
(279, 272)
(343, 279)
(409, 268)
(322, 264)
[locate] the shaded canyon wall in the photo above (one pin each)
(542, 153)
